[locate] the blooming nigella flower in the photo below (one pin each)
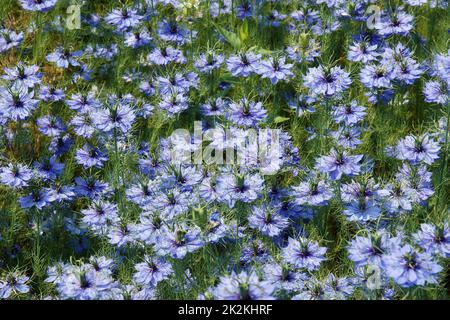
(23, 76)
(436, 92)
(399, 23)
(349, 114)
(363, 52)
(84, 282)
(408, 267)
(243, 286)
(99, 213)
(120, 117)
(377, 76)
(90, 156)
(246, 113)
(13, 282)
(123, 19)
(17, 104)
(51, 126)
(38, 5)
(418, 149)
(208, 62)
(339, 163)
(152, 271)
(37, 199)
(303, 253)
(165, 55)
(83, 103)
(370, 250)
(434, 239)
(284, 277)
(10, 39)
(64, 58)
(313, 192)
(275, 70)
(327, 82)
(51, 94)
(244, 187)
(267, 221)
(362, 211)
(244, 64)
(49, 169)
(170, 31)
(253, 252)
(15, 175)
(179, 242)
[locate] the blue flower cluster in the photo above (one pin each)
(93, 205)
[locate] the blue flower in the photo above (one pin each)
(171, 203)
(246, 113)
(208, 62)
(84, 282)
(152, 271)
(417, 180)
(90, 156)
(15, 175)
(13, 283)
(38, 5)
(410, 268)
(49, 169)
(243, 65)
(418, 149)
(245, 10)
(267, 221)
(48, 94)
(377, 76)
(83, 103)
(64, 58)
(119, 117)
(434, 239)
(338, 288)
(180, 241)
(436, 92)
(327, 82)
(91, 188)
(170, 31)
(312, 192)
(348, 138)
(304, 253)
(284, 277)
(399, 23)
(17, 104)
(349, 114)
(370, 250)
(241, 187)
(123, 19)
(339, 163)
(216, 229)
(174, 103)
(10, 39)
(215, 107)
(363, 52)
(255, 251)
(100, 213)
(243, 286)
(51, 126)
(137, 39)
(314, 289)
(275, 70)
(37, 199)
(362, 211)
(165, 55)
